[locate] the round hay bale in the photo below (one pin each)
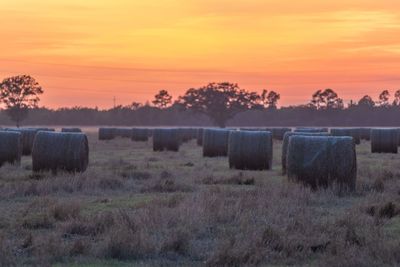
(285, 144)
(71, 130)
(44, 129)
(28, 137)
(186, 134)
(106, 133)
(60, 151)
(253, 129)
(199, 136)
(193, 133)
(10, 147)
(365, 134)
(384, 140)
(250, 150)
(215, 142)
(166, 139)
(321, 161)
(140, 134)
(150, 132)
(310, 130)
(278, 133)
(352, 132)
(398, 135)
(123, 132)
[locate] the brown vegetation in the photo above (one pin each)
(136, 207)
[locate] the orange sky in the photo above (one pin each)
(85, 52)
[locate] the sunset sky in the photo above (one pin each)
(84, 53)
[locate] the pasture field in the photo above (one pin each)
(136, 207)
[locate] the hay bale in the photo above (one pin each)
(321, 161)
(106, 133)
(140, 134)
(310, 130)
(186, 134)
(384, 140)
(250, 150)
(150, 132)
(60, 151)
(166, 139)
(215, 142)
(44, 129)
(71, 130)
(278, 133)
(253, 129)
(193, 132)
(28, 137)
(365, 134)
(285, 144)
(352, 132)
(199, 136)
(398, 135)
(10, 147)
(123, 132)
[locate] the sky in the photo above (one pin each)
(85, 53)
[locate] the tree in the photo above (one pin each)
(162, 99)
(396, 101)
(219, 101)
(327, 99)
(270, 100)
(366, 102)
(134, 105)
(19, 94)
(384, 99)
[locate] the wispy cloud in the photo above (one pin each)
(130, 46)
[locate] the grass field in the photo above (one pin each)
(134, 206)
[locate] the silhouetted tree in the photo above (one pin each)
(270, 100)
(366, 102)
(327, 99)
(351, 104)
(135, 105)
(384, 98)
(396, 101)
(163, 99)
(219, 101)
(19, 94)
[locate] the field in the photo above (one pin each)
(134, 206)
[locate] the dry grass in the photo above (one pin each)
(134, 206)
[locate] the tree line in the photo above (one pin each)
(219, 104)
